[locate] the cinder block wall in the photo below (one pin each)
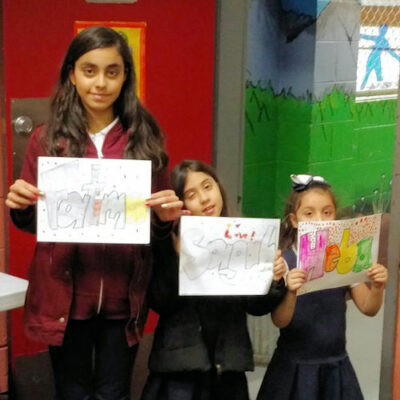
(301, 113)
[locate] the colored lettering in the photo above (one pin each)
(312, 260)
(332, 254)
(364, 255)
(348, 254)
(135, 209)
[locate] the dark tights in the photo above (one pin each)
(94, 362)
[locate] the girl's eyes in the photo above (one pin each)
(113, 73)
(189, 196)
(208, 186)
(88, 71)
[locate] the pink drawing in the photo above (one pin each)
(312, 259)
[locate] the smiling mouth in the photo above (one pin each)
(99, 96)
(208, 210)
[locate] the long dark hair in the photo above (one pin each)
(67, 128)
(288, 233)
(179, 175)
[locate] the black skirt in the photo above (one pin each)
(332, 379)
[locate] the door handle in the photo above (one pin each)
(23, 125)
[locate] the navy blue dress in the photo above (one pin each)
(310, 361)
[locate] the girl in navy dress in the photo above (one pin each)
(310, 361)
(201, 346)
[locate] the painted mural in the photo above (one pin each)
(378, 59)
(301, 108)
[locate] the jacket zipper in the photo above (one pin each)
(100, 303)
(136, 320)
(101, 289)
(100, 296)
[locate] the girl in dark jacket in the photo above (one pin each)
(201, 346)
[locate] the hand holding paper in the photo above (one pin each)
(295, 279)
(22, 195)
(378, 275)
(166, 205)
(279, 269)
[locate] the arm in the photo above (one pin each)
(283, 313)
(162, 293)
(166, 205)
(368, 37)
(24, 219)
(23, 193)
(260, 305)
(393, 54)
(368, 297)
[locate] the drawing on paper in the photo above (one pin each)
(227, 256)
(93, 200)
(337, 253)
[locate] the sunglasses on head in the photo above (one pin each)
(302, 181)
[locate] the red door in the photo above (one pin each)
(179, 82)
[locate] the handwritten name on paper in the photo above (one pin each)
(332, 250)
(93, 200)
(227, 255)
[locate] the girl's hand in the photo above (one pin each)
(295, 279)
(378, 275)
(279, 266)
(22, 195)
(166, 205)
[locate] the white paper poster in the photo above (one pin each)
(227, 256)
(337, 253)
(91, 200)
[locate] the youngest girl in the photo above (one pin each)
(201, 346)
(311, 361)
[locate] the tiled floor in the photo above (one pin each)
(364, 336)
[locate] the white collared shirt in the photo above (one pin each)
(99, 137)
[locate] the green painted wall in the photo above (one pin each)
(374, 137)
(261, 128)
(350, 144)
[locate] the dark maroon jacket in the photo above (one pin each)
(50, 290)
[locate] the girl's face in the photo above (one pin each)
(98, 76)
(201, 195)
(315, 205)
